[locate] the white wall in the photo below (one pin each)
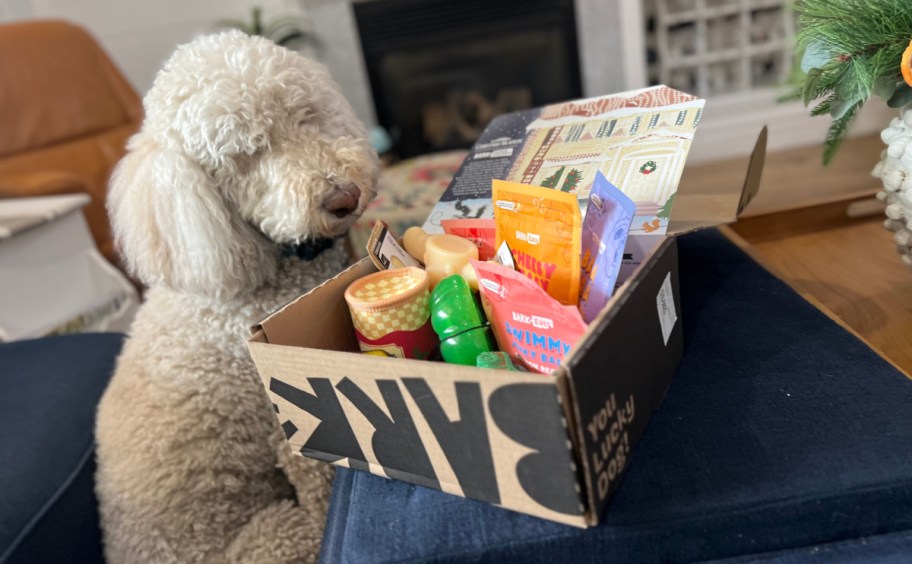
(340, 51)
(140, 34)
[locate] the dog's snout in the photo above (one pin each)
(343, 200)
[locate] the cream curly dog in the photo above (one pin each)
(248, 152)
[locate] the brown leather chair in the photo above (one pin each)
(65, 115)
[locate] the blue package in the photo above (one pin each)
(609, 214)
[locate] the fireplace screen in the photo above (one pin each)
(440, 70)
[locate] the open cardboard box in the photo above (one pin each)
(551, 446)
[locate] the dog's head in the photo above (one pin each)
(245, 146)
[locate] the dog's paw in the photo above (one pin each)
(311, 479)
(281, 533)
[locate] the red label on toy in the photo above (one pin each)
(419, 344)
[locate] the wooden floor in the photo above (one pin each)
(795, 178)
(851, 272)
(847, 266)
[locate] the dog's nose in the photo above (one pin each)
(343, 200)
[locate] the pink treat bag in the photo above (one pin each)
(534, 328)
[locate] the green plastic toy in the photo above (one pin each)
(498, 360)
(459, 321)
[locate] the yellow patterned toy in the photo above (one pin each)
(390, 313)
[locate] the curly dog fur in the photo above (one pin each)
(245, 147)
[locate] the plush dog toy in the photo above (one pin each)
(248, 167)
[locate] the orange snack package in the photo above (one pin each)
(543, 229)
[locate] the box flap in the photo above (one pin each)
(694, 209)
(615, 389)
(294, 325)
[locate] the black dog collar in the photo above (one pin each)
(308, 249)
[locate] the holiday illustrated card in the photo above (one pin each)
(638, 140)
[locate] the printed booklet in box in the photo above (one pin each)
(639, 140)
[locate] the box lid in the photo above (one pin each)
(696, 207)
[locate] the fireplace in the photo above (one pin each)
(440, 70)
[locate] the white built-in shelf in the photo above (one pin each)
(712, 47)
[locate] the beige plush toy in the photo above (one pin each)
(249, 159)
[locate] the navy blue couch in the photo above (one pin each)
(50, 388)
(782, 438)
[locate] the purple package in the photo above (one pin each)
(608, 217)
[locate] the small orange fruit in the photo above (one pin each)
(906, 65)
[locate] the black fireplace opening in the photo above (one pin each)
(440, 70)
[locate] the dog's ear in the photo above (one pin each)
(175, 230)
(211, 108)
(215, 125)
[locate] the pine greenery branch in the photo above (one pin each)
(836, 133)
(822, 108)
(849, 50)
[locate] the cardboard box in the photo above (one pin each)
(552, 446)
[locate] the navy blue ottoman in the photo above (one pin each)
(50, 388)
(781, 438)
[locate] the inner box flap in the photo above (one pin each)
(696, 207)
(322, 322)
